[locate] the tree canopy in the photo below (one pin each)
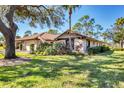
(87, 26)
(53, 31)
(28, 33)
(119, 33)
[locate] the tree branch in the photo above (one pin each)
(38, 7)
(3, 28)
(9, 16)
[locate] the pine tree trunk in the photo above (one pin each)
(10, 46)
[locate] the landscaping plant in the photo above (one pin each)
(50, 49)
(98, 49)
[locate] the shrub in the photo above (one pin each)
(60, 48)
(32, 49)
(105, 48)
(98, 49)
(21, 46)
(50, 49)
(42, 47)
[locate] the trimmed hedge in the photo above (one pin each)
(98, 49)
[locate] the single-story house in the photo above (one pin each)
(79, 42)
(34, 40)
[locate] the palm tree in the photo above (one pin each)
(70, 9)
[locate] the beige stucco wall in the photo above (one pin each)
(27, 44)
(82, 43)
(94, 43)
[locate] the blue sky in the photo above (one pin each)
(103, 14)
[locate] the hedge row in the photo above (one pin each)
(98, 49)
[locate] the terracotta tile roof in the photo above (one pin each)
(45, 36)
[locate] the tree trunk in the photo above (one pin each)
(121, 43)
(10, 46)
(70, 43)
(9, 33)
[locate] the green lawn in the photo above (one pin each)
(103, 70)
(1, 48)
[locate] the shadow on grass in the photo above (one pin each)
(52, 69)
(107, 53)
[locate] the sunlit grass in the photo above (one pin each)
(1, 48)
(1, 56)
(103, 70)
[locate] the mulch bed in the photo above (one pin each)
(12, 62)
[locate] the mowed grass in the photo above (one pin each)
(1, 48)
(103, 70)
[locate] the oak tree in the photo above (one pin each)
(43, 15)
